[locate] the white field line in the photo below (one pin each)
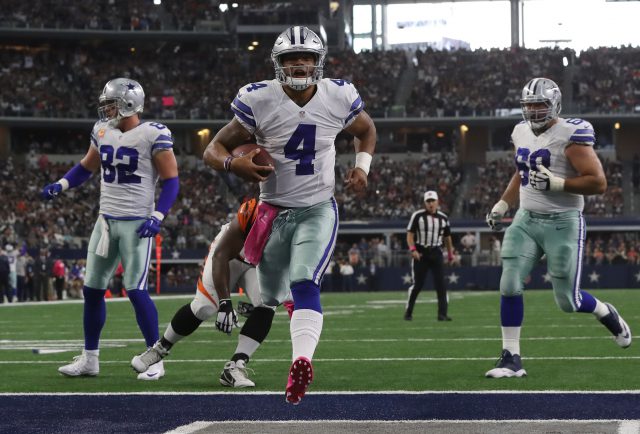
(624, 427)
(347, 393)
(338, 360)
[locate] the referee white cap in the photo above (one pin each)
(430, 195)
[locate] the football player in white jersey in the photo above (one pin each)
(296, 118)
(224, 269)
(132, 155)
(556, 167)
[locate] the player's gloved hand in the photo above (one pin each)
(227, 318)
(494, 218)
(544, 180)
(151, 226)
(50, 191)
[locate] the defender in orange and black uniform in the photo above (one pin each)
(224, 268)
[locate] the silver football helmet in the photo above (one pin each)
(298, 39)
(124, 95)
(541, 90)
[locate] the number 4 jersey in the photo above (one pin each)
(300, 139)
(127, 187)
(548, 149)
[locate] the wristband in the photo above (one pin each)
(412, 248)
(363, 161)
(227, 163)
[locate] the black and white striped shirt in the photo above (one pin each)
(429, 229)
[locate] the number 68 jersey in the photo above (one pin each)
(127, 186)
(300, 139)
(548, 149)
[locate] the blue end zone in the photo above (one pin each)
(162, 412)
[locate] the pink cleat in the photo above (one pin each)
(300, 377)
(289, 306)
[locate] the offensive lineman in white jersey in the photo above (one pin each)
(556, 167)
(296, 118)
(131, 155)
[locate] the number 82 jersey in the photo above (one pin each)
(127, 187)
(300, 139)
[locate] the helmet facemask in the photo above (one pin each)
(547, 98)
(120, 98)
(298, 39)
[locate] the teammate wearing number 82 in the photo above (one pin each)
(131, 155)
(296, 118)
(556, 167)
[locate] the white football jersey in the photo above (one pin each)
(548, 149)
(300, 139)
(128, 181)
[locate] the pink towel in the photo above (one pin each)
(259, 233)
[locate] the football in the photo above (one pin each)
(262, 159)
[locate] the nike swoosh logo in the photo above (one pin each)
(152, 374)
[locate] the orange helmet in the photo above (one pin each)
(247, 214)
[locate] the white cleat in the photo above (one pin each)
(235, 375)
(154, 373)
(617, 326)
(153, 355)
(84, 365)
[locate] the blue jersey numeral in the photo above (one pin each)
(255, 86)
(339, 82)
(574, 121)
(124, 170)
(305, 133)
(157, 125)
(526, 161)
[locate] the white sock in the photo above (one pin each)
(171, 335)
(306, 326)
(511, 339)
(601, 309)
(246, 345)
(94, 353)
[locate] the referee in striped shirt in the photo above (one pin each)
(426, 232)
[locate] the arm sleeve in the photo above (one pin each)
(242, 108)
(163, 140)
(356, 104)
(583, 135)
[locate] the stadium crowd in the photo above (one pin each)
(187, 82)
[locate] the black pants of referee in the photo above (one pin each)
(431, 259)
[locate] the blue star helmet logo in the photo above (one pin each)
(131, 86)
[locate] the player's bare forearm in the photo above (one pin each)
(512, 192)
(586, 184)
(449, 244)
(228, 248)
(229, 137)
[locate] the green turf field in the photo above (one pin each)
(365, 346)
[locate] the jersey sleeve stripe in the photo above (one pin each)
(243, 117)
(94, 141)
(582, 139)
(164, 139)
(161, 146)
(356, 103)
(353, 113)
(242, 106)
(584, 131)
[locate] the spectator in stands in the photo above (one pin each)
(43, 266)
(468, 244)
(347, 271)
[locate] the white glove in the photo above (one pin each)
(544, 180)
(227, 318)
(494, 218)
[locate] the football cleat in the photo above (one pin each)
(153, 355)
(617, 326)
(83, 365)
(235, 375)
(507, 366)
(300, 377)
(154, 373)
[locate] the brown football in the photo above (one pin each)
(262, 159)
